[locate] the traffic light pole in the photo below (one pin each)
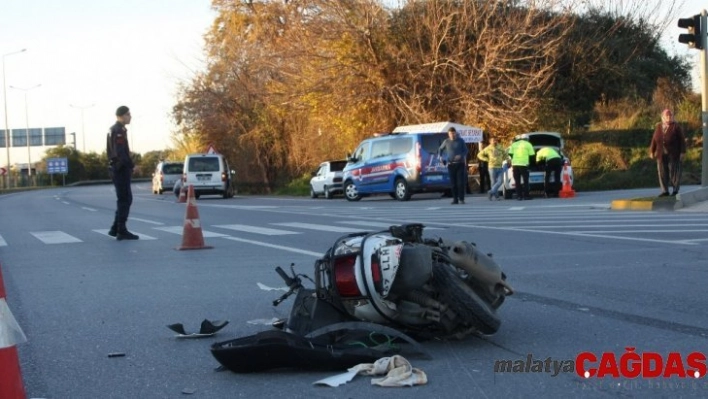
(704, 99)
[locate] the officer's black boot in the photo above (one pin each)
(124, 234)
(114, 229)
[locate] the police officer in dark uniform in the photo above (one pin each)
(121, 169)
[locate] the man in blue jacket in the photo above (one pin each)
(121, 168)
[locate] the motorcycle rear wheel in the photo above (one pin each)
(463, 300)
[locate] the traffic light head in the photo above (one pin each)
(694, 37)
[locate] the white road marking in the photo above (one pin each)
(67, 203)
(683, 242)
(180, 230)
(281, 247)
(319, 227)
(145, 221)
(142, 236)
(3, 243)
(255, 229)
(54, 237)
(379, 224)
(88, 209)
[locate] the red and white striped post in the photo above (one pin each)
(11, 385)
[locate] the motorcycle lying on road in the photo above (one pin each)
(395, 283)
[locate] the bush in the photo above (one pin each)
(297, 187)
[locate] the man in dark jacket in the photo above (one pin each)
(121, 168)
(668, 147)
(455, 150)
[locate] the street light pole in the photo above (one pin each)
(7, 129)
(27, 134)
(83, 131)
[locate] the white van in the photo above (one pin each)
(209, 174)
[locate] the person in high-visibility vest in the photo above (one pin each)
(554, 164)
(520, 152)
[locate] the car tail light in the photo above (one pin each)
(184, 177)
(162, 177)
(345, 277)
(223, 176)
(376, 273)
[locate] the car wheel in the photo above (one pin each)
(160, 191)
(313, 194)
(327, 193)
(402, 192)
(350, 192)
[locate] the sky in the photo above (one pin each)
(91, 56)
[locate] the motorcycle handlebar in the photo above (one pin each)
(288, 280)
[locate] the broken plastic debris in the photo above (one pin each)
(207, 329)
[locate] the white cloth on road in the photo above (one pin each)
(397, 370)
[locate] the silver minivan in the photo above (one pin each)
(209, 174)
(166, 174)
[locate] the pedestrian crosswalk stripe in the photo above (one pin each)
(146, 221)
(256, 229)
(54, 237)
(3, 243)
(319, 227)
(180, 230)
(378, 224)
(142, 236)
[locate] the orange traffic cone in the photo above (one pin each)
(192, 237)
(567, 190)
(182, 194)
(11, 385)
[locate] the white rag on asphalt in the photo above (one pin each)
(397, 370)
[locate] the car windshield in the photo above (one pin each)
(172, 169)
(337, 166)
(210, 164)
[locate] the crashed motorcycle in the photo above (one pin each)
(395, 283)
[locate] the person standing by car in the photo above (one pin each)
(121, 168)
(493, 154)
(483, 168)
(668, 147)
(455, 150)
(520, 152)
(553, 164)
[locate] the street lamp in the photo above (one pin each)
(83, 131)
(7, 129)
(29, 153)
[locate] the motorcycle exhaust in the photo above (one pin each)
(479, 266)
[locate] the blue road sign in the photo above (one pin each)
(57, 165)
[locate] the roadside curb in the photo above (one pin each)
(632, 205)
(662, 204)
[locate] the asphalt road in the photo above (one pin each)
(588, 279)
